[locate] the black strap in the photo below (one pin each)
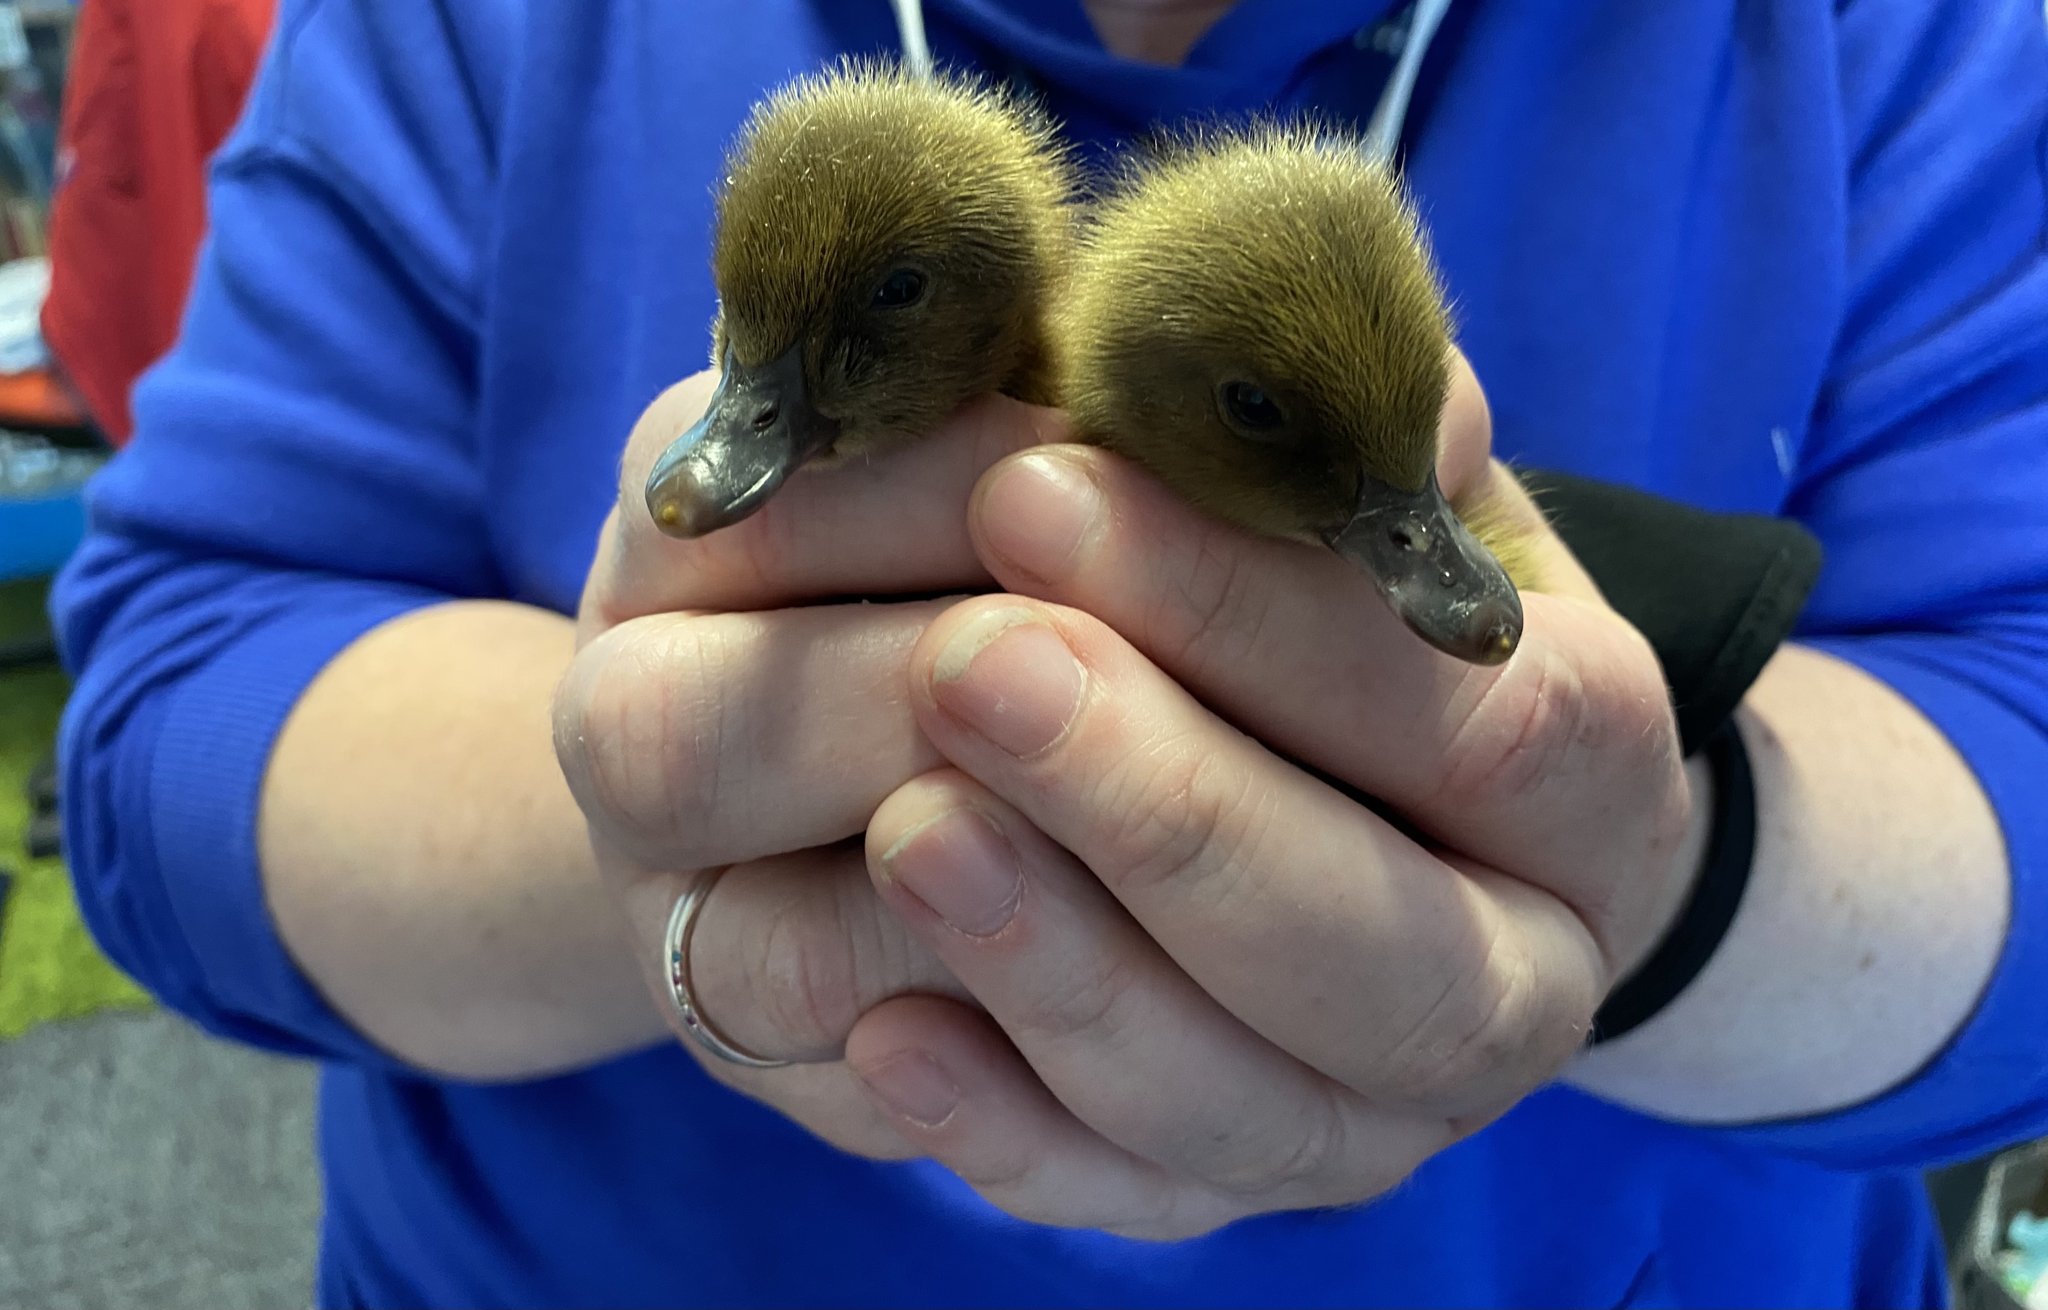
(1716, 594)
(1724, 876)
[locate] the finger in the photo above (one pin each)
(1485, 493)
(823, 1097)
(1555, 764)
(890, 525)
(1464, 434)
(826, 1100)
(787, 953)
(1303, 913)
(1116, 1030)
(694, 741)
(950, 1084)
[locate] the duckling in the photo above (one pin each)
(1254, 318)
(886, 244)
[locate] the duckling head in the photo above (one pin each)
(883, 251)
(1254, 318)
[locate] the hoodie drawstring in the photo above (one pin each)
(1382, 134)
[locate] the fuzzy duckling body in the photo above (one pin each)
(886, 247)
(1254, 318)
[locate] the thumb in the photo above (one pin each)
(1493, 502)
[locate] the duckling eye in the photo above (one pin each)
(1250, 409)
(903, 287)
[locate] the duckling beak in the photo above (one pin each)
(1434, 573)
(759, 429)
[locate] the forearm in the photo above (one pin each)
(425, 863)
(1873, 918)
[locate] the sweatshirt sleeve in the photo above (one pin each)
(304, 469)
(1925, 474)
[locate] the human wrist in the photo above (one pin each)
(1702, 888)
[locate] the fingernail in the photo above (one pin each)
(962, 868)
(1038, 513)
(912, 1085)
(1008, 675)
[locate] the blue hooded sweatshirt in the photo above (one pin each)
(1784, 256)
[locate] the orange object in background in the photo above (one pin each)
(38, 399)
(154, 87)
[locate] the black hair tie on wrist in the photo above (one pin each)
(1716, 595)
(1709, 910)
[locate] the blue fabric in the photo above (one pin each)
(1778, 257)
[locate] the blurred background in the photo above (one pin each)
(142, 1163)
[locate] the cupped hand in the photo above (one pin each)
(1216, 983)
(719, 717)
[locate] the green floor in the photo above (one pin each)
(49, 967)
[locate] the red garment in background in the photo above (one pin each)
(153, 88)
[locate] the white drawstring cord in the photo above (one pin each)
(1382, 134)
(917, 54)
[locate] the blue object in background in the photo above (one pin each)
(37, 536)
(42, 505)
(2027, 1261)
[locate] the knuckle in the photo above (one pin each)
(1213, 616)
(652, 730)
(1519, 733)
(599, 728)
(1641, 758)
(1089, 1000)
(1008, 1182)
(1466, 1034)
(1179, 815)
(1495, 1027)
(1614, 908)
(1305, 1163)
(805, 981)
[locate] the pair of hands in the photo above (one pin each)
(1032, 883)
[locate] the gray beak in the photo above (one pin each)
(1434, 573)
(759, 429)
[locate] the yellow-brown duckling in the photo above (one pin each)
(887, 243)
(1254, 317)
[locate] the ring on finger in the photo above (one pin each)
(682, 926)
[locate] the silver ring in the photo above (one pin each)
(682, 925)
